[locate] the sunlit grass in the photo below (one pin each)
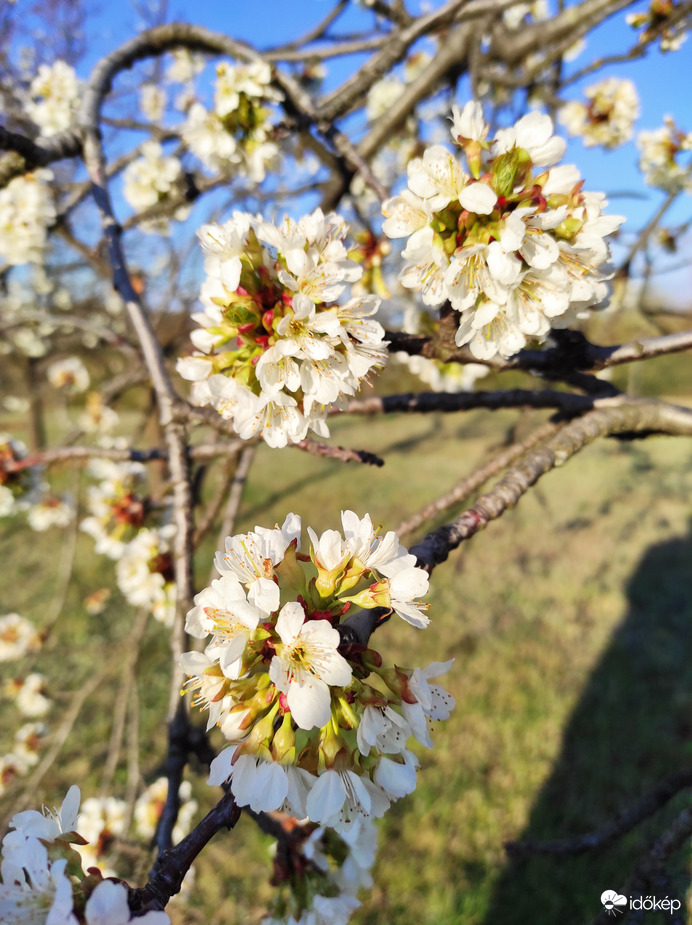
(569, 622)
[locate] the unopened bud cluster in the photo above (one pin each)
(319, 728)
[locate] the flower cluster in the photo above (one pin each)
(320, 729)
(607, 118)
(49, 511)
(149, 807)
(659, 157)
(325, 874)
(26, 211)
(662, 20)
(24, 755)
(512, 245)
(70, 374)
(43, 881)
(275, 349)
(236, 132)
(145, 572)
(116, 505)
(30, 694)
(18, 636)
(55, 94)
(153, 179)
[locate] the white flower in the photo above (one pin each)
(513, 251)
(533, 133)
(397, 778)
(34, 891)
(150, 804)
(468, 122)
(261, 785)
(49, 825)
(17, 637)
(145, 572)
(340, 797)
(70, 373)
(107, 905)
(251, 557)
(55, 95)
(306, 665)
(224, 611)
(29, 694)
(152, 101)
(26, 212)
(382, 95)
(608, 117)
(383, 728)
(659, 153)
(151, 179)
(206, 136)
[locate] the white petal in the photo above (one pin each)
(479, 198)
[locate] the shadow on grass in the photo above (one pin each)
(631, 728)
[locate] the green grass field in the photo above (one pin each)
(569, 622)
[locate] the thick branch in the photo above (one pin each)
(633, 416)
(426, 402)
(173, 864)
(574, 352)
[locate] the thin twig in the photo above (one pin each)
(464, 488)
(342, 453)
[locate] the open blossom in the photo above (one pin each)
(608, 116)
(27, 210)
(275, 668)
(145, 572)
(29, 694)
(664, 157)
(338, 866)
(149, 807)
(17, 637)
(514, 244)
(274, 348)
(236, 133)
(152, 179)
(55, 96)
(70, 374)
(116, 505)
(152, 101)
(35, 886)
(306, 664)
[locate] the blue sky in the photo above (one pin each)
(662, 81)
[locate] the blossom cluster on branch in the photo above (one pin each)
(515, 245)
(319, 729)
(275, 349)
(43, 880)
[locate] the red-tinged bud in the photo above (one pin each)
(241, 290)
(268, 320)
(398, 683)
(246, 328)
(263, 341)
(323, 615)
(371, 659)
(283, 704)
(287, 299)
